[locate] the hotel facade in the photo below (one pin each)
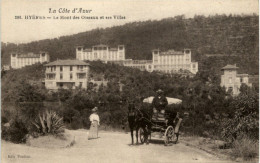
(172, 61)
(19, 60)
(101, 52)
(66, 74)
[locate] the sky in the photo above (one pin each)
(27, 30)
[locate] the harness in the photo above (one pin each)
(142, 117)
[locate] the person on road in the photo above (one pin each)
(95, 122)
(159, 103)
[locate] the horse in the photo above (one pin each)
(137, 120)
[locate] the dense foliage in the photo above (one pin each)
(206, 102)
(245, 119)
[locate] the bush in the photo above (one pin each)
(48, 122)
(15, 133)
(245, 147)
(4, 120)
(76, 123)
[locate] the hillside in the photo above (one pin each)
(219, 34)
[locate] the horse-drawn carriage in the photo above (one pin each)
(165, 126)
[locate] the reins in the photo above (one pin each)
(145, 117)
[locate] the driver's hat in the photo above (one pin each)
(95, 109)
(159, 91)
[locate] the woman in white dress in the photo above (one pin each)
(94, 119)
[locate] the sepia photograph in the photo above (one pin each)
(129, 81)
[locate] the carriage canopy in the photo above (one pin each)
(169, 99)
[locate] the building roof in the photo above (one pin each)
(242, 75)
(87, 50)
(113, 49)
(172, 52)
(29, 54)
(230, 67)
(100, 45)
(68, 62)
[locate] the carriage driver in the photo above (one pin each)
(159, 103)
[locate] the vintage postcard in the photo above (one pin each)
(135, 81)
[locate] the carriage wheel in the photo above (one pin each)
(168, 135)
(141, 134)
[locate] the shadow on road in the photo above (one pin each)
(156, 141)
(135, 144)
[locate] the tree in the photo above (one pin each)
(29, 100)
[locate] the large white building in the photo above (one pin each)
(19, 60)
(172, 61)
(66, 74)
(100, 52)
(167, 62)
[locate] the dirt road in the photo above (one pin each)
(110, 147)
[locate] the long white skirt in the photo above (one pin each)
(93, 132)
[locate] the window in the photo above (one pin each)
(51, 76)
(79, 48)
(121, 48)
(61, 68)
(80, 67)
(241, 80)
(104, 48)
(230, 80)
(230, 89)
(71, 68)
(71, 76)
(61, 76)
(187, 51)
(43, 54)
(80, 84)
(81, 75)
(13, 55)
